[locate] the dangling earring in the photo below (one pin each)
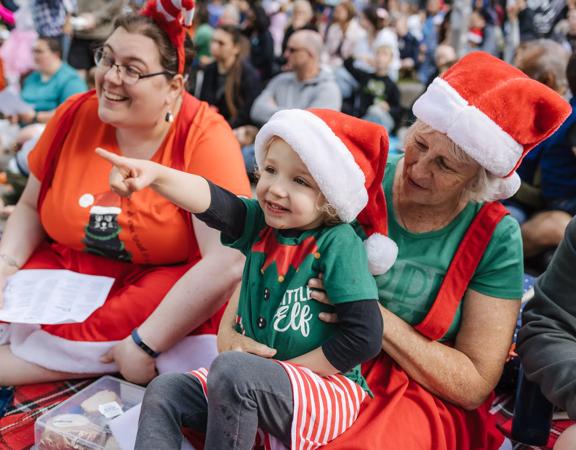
(169, 117)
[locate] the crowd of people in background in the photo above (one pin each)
(367, 58)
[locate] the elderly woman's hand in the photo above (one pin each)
(128, 175)
(229, 340)
(134, 365)
(319, 294)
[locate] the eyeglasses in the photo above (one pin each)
(127, 74)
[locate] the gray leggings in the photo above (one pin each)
(245, 392)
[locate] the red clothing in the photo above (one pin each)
(403, 415)
(143, 242)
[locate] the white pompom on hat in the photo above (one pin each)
(494, 112)
(346, 157)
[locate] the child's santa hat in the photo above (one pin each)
(494, 112)
(346, 156)
(173, 16)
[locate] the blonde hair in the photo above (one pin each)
(328, 213)
(483, 187)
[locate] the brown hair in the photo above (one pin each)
(145, 26)
(233, 83)
(545, 61)
(53, 44)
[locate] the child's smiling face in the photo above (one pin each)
(287, 193)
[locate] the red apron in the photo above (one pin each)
(405, 416)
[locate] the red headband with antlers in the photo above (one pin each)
(173, 16)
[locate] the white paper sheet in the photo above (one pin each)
(53, 296)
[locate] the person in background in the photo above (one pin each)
(343, 34)
(230, 83)
(92, 24)
(409, 48)
(167, 266)
(202, 35)
(444, 58)
(546, 200)
(52, 19)
(547, 339)
(378, 96)
(430, 39)
(305, 85)
(302, 19)
(255, 27)
(50, 84)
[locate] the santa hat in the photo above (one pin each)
(346, 157)
(173, 16)
(104, 203)
(494, 112)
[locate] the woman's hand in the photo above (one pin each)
(128, 175)
(319, 294)
(229, 340)
(134, 365)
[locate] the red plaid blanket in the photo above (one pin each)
(30, 402)
(503, 410)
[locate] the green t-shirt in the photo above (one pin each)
(409, 288)
(275, 307)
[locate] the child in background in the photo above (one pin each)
(312, 182)
(378, 96)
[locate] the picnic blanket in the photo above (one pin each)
(30, 402)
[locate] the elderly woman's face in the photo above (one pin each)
(142, 104)
(431, 174)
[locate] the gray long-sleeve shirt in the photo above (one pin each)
(285, 91)
(547, 340)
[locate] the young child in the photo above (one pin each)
(319, 169)
(378, 96)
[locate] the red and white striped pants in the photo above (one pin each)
(324, 407)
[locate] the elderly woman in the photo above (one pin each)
(164, 262)
(450, 302)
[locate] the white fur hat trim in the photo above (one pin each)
(382, 253)
(329, 161)
(445, 110)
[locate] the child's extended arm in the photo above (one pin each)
(129, 175)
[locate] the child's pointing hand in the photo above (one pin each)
(128, 175)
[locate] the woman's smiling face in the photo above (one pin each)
(142, 104)
(431, 174)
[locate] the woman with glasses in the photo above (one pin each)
(167, 266)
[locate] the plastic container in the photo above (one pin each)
(81, 422)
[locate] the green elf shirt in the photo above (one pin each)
(409, 288)
(275, 307)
